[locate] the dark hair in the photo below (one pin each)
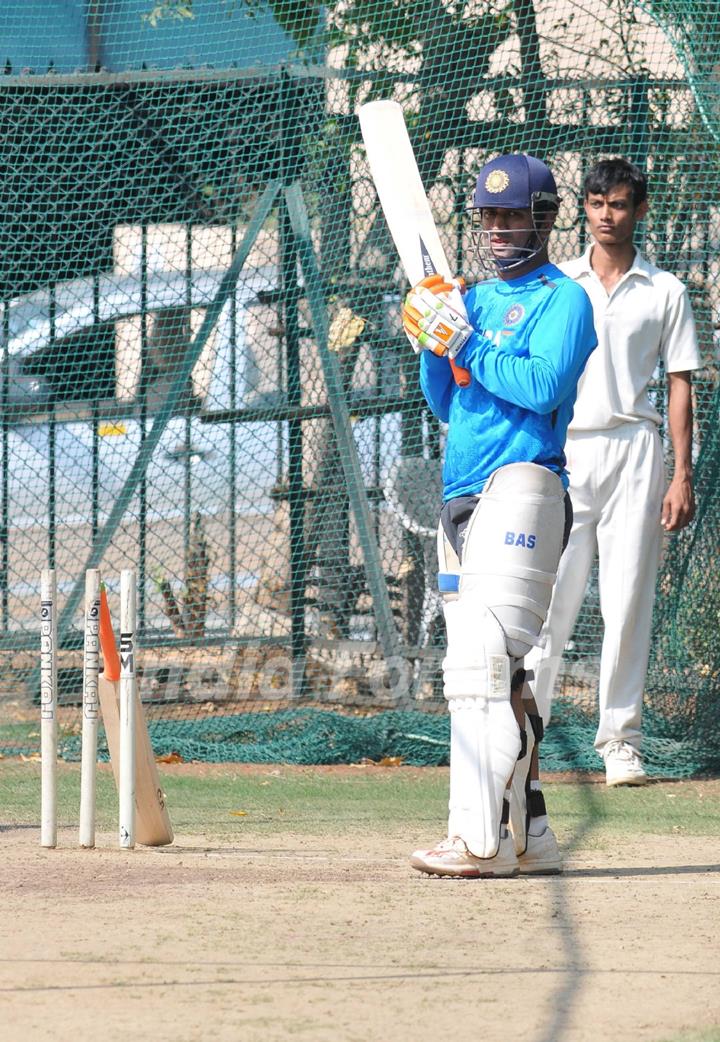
(609, 173)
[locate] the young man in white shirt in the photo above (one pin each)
(622, 504)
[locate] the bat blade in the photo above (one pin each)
(152, 824)
(404, 201)
(153, 828)
(400, 190)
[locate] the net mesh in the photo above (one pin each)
(204, 375)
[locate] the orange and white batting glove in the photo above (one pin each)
(430, 320)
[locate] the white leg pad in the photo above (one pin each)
(484, 735)
(484, 743)
(512, 549)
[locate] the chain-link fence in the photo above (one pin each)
(204, 376)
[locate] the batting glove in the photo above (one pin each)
(430, 320)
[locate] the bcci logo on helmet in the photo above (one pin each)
(496, 181)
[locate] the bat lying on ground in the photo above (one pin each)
(404, 202)
(153, 828)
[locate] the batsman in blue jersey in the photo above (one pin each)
(524, 338)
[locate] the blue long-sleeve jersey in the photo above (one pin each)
(533, 336)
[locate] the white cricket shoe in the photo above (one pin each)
(452, 858)
(623, 765)
(542, 855)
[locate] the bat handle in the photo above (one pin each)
(462, 376)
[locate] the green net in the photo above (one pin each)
(204, 377)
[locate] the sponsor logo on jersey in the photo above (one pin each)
(513, 315)
(526, 539)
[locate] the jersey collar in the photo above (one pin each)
(543, 273)
(639, 265)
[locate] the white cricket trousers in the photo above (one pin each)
(617, 485)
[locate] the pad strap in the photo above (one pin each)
(538, 728)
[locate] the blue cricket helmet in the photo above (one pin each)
(515, 182)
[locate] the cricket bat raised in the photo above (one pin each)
(404, 202)
(153, 828)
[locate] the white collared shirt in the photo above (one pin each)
(646, 317)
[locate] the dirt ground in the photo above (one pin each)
(337, 939)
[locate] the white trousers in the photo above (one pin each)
(617, 485)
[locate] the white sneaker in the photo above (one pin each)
(623, 765)
(452, 858)
(542, 855)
